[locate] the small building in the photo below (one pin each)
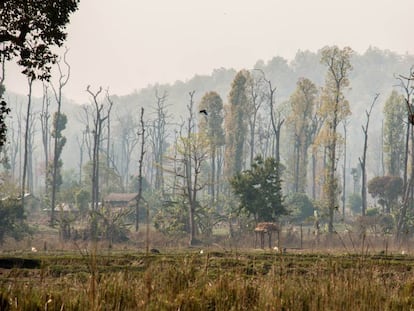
(120, 200)
(264, 228)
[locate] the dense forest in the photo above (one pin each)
(327, 130)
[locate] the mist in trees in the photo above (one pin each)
(289, 126)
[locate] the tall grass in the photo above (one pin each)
(211, 281)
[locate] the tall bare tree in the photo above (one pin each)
(194, 149)
(276, 117)
(363, 161)
(139, 198)
(158, 135)
(256, 96)
(45, 128)
(406, 83)
(126, 132)
(109, 156)
(99, 118)
(26, 139)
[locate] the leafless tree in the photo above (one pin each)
(109, 157)
(406, 83)
(345, 124)
(256, 92)
(45, 128)
(141, 133)
(26, 139)
(276, 117)
(362, 161)
(98, 121)
(158, 135)
(126, 131)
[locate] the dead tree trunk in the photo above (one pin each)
(26, 140)
(362, 161)
(141, 161)
(406, 84)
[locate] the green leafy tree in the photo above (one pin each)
(30, 29)
(12, 216)
(395, 112)
(259, 190)
(335, 108)
(355, 203)
(82, 199)
(299, 206)
(387, 189)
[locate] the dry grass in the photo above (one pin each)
(214, 280)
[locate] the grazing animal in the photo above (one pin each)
(154, 251)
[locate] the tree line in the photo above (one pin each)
(239, 159)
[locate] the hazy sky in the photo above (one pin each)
(128, 44)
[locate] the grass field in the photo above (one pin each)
(212, 279)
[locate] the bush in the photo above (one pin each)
(299, 206)
(355, 203)
(12, 219)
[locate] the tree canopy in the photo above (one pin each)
(387, 189)
(29, 28)
(259, 190)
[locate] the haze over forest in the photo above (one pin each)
(149, 149)
(286, 89)
(373, 72)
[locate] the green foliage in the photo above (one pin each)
(4, 111)
(60, 141)
(387, 189)
(110, 223)
(12, 216)
(300, 206)
(29, 30)
(355, 203)
(172, 219)
(82, 199)
(12, 219)
(259, 190)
